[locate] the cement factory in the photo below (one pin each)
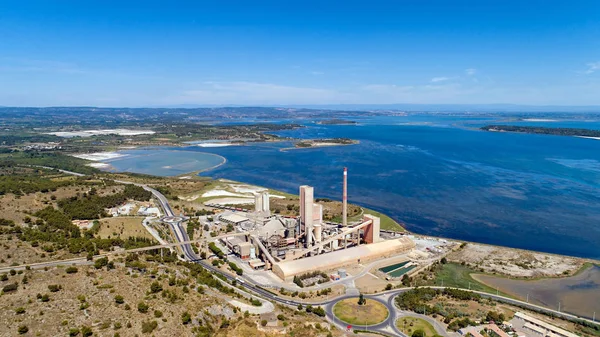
(291, 246)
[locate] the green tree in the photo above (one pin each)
(418, 333)
(361, 300)
(22, 329)
(101, 262)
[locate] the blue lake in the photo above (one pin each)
(440, 176)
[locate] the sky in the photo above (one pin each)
(172, 53)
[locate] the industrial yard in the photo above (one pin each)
(301, 249)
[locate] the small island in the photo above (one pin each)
(336, 121)
(313, 143)
(586, 133)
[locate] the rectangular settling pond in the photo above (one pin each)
(394, 267)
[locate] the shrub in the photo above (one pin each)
(389, 286)
(73, 332)
(119, 299)
(158, 314)
(20, 310)
(3, 277)
(86, 331)
(142, 307)
(155, 287)
(22, 329)
(101, 262)
(281, 317)
(263, 322)
(54, 288)
(319, 311)
(149, 326)
(186, 318)
(10, 288)
(71, 270)
(13, 272)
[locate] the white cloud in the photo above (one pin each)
(470, 71)
(255, 93)
(439, 79)
(592, 67)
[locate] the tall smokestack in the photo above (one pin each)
(345, 199)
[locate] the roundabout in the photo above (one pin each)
(172, 219)
(372, 312)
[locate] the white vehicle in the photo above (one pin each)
(240, 280)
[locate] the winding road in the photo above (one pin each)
(387, 327)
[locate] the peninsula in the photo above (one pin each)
(543, 130)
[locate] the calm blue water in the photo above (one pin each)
(164, 161)
(440, 176)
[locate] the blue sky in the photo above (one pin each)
(160, 53)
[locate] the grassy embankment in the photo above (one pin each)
(409, 324)
(370, 313)
(459, 276)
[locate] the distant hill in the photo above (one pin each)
(456, 107)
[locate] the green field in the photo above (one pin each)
(459, 276)
(409, 324)
(387, 223)
(348, 310)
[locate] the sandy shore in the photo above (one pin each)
(215, 144)
(99, 156)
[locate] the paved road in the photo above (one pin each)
(387, 327)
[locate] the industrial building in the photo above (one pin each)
(261, 203)
(286, 270)
(534, 327)
(291, 246)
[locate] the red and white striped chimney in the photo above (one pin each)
(345, 199)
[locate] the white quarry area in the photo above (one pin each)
(90, 133)
(247, 189)
(232, 201)
(218, 193)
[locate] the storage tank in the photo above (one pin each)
(342, 273)
(317, 230)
